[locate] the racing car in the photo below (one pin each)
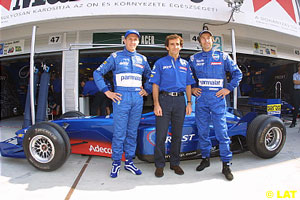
(47, 145)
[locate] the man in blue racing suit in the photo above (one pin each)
(209, 68)
(128, 67)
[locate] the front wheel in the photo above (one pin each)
(266, 136)
(45, 147)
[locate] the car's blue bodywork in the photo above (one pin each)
(93, 135)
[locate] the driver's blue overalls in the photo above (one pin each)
(210, 71)
(128, 69)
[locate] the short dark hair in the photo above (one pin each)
(199, 36)
(172, 37)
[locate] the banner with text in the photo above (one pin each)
(278, 15)
(12, 47)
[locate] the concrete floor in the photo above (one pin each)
(254, 177)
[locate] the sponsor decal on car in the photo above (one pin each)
(185, 138)
(100, 149)
(274, 109)
(88, 147)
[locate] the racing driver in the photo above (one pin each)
(128, 67)
(209, 67)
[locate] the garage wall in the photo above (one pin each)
(70, 80)
(80, 31)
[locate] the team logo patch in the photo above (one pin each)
(192, 58)
(183, 62)
(104, 62)
(215, 63)
(140, 66)
(138, 59)
(151, 137)
(216, 56)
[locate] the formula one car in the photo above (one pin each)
(47, 145)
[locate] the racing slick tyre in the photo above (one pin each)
(266, 136)
(63, 134)
(73, 113)
(252, 130)
(45, 146)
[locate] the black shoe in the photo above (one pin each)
(159, 172)
(292, 125)
(226, 171)
(177, 170)
(204, 163)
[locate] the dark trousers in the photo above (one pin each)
(296, 104)
(173, 110)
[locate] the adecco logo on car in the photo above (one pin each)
(27, 3)
(100, 149)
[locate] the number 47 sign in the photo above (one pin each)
(54, 39)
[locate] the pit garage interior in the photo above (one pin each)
(260, 75)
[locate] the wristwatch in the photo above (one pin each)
(189, 102)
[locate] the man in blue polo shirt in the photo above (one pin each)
(171, 77)
(128, 67)
(96, 100)
(296, 81)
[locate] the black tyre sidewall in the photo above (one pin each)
(261, 149)
(57, 140)
(252, 132)
(73, 113)
(63, 134)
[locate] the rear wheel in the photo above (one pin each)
(252, 130)
(266, 136)
(45, 146)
